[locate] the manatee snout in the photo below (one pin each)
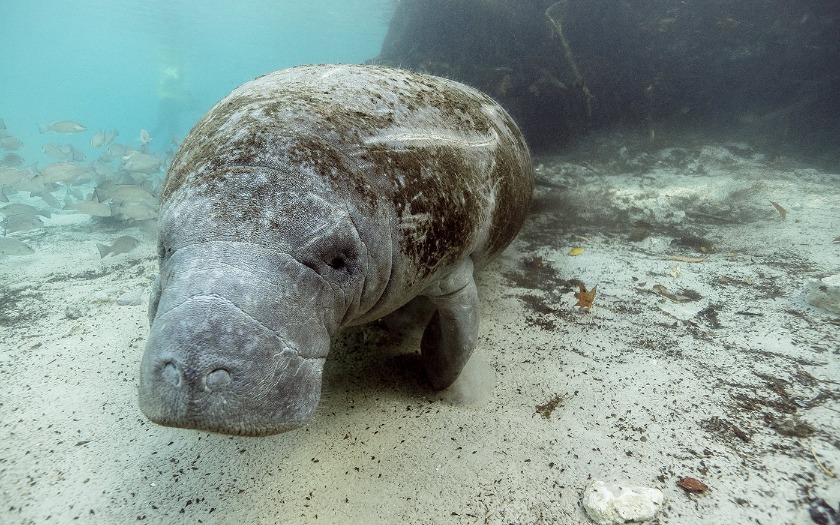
(210, 367)
(225, 360)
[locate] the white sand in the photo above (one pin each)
(738, 386)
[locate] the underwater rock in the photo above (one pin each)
(613, 504)
(75, 311)
(131, 298)
(824, 293)
(565, 68)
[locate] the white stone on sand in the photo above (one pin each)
(615, 504)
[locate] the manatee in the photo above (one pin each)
(311, 199)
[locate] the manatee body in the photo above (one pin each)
(311, 199)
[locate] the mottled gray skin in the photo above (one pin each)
(312, 199)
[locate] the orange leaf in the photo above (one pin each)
(692, 485)
(585, 298)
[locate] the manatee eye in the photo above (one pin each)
(339, 262)
(164, 251)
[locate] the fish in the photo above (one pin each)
(103, 138)
(50, 201)
(103, 170)
(782, 211)
(145, 138)
(11, 176)
(62, 126)
(62, 151)
(136, 211)
(16, 208)
(125, 193)
(123, 244)
(10, 246)
(35, 187)
(10, 160)
(115, 151)
(61, 172)
(21, 223)
(74, 193)
(91, 207)
(9, 142)
(57, 151)
(142, 162)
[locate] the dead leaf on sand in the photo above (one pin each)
(584, 297)
(692, 485)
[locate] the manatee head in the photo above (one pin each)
(255, 278)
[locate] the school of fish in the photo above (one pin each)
(121, 185)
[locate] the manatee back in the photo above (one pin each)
(438, 168)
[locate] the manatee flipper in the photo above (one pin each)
(451, 335)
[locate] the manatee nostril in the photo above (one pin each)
(171, 374)
(218, 379)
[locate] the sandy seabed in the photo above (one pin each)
(701, 358)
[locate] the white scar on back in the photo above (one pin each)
(425, 138)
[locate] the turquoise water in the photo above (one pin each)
(159, 65)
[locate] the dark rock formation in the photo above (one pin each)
(767, 67)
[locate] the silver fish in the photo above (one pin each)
(62, 126)
(145, 138)
(10, 246)
(16, 208)
(21, 223)
(10, 176)
(9, 142)
(74, 193)
(123, 244)
(35, 186)
(103, 170)
(50, 200)
(10, 160)
(91, 207)
(61, 172)
(103, 138)
(115, 151)
(62, 151)
(125, 193)
(136, 211)
(142, 162)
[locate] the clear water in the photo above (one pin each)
(160, 64)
